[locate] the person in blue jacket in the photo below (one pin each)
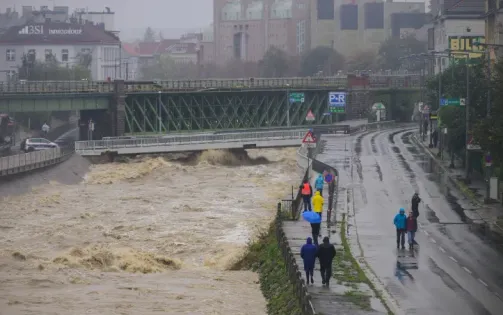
(308, 254)
(400, 222)
(318, 184)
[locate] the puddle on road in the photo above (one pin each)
(406, 137)
(431, 216)
(373, 143)
(392, 135)
(379, 171)
(395, 149)
(453, 202)
(414, 151)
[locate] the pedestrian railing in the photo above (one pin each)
(292, 267)
(55, 87)
(20, 163)
(101, 145)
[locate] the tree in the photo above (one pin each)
(321, 60)
(488, 131)
(149, 35)
(393, 49)
(274, 64)
(363, 60)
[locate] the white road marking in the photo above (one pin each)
(467, 270)
(453, 259)
(433, 241)
(481, 281)
(441, 249)
(426, 233)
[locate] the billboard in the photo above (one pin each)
(337, 102)
(465, 44)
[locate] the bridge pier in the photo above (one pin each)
(118, 109)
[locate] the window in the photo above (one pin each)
(48, 55)
(349, 17)
(301, 36)
(326, 10)
(85, 50)
(374, 15)
(32, 55)
(64, 55)
(11, 75)
(11, 55)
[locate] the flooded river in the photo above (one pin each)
(149, 236)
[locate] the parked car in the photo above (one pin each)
(36, 144)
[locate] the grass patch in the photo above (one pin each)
(466, 190)
(264, 256)
(359, 299)
(346, 270)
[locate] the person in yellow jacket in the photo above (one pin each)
(318, 203)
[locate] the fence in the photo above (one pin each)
(291, 266)
(25, 162)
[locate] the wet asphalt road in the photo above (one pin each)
(453, 271)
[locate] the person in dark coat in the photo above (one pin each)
(315, 231)
(411, 230)
(326, 253)
(308, 255)
(415, 205)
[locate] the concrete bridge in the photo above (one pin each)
(120, 107)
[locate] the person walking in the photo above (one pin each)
(411, 230)
(318, 202)
(326, 253)
(400, 222)
(315, 231)
(415, 205)
(319, 183)
(306, 190)
(308, 255)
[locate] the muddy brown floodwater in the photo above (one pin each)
(149, 236)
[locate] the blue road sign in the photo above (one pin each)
(337, 102)
(443, 102)
(329, 178)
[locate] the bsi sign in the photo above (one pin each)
(32, 30)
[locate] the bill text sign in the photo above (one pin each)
(464, 44)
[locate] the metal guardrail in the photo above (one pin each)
(99, 145)
(20, 163)
(379, 81)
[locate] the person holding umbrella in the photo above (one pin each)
(315, 220)
(308, 255)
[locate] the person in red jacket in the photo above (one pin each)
(306, 190)
(411, 224)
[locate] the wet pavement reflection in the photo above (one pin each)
(452, 270)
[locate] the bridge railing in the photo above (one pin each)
(188, 139)
(19, 163)
(56, 87)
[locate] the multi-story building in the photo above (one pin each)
(246, 29)
(207, 46)
(494, 24)
(350, 26)
(456, 26)
(64, 42)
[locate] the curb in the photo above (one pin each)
(379, 288)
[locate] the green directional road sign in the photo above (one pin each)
(452, 102)
(296, 97)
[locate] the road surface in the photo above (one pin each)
(453, 271)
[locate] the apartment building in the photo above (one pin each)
(350, 26)
(246, 29)
(494, 24)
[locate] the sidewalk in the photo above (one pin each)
(347, 294)
(472, 195)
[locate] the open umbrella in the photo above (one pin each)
(311, 217)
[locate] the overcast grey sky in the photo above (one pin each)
(178, 15)
(175, 17)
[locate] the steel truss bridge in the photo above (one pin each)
(187, 105)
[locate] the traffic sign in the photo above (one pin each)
(310, 116)
(329, 178)
(337, 102)
(309, 138)
(296, 97)
(452, 101)
(472, 145)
